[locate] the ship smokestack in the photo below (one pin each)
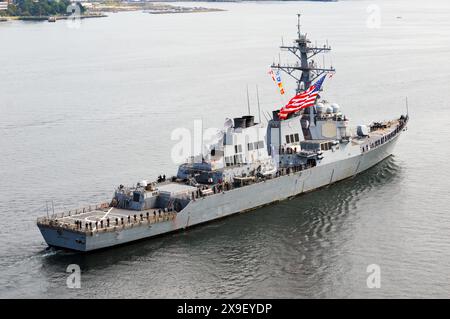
(239, 122)
(249, 120)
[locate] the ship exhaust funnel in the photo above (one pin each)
(239, 122)
(249, 120)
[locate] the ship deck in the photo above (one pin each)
(86, 221)
(104, 217)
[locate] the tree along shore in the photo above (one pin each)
(33, 8)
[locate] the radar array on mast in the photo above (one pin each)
(305, 70)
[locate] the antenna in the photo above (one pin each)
(46, 204)
(248, 101)
(266, 117)
(302, 70)
(201, 139)
(407, 109)
(53, 208)
(257, 98)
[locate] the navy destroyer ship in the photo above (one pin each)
(305, 145)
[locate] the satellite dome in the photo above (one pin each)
(329, 110)
(320, 107)
(335, 107)
(143, 183)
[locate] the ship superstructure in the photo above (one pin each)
(249, 165)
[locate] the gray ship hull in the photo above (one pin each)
(225, 203)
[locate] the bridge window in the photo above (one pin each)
(250, 146)
(237, 159)
(292, 138)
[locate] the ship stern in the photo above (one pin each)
(63, 238)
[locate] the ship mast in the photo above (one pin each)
(304, 71)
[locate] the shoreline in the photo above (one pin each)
(46, 18)
(176, 10)
(149, 7)
(99, 10)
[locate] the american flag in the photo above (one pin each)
(302, 100)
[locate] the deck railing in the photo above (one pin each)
(78, 211)
(91, 229)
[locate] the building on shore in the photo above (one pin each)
(4, 5)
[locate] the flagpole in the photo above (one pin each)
(248, 101)
(259, 107)
(407, 109)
